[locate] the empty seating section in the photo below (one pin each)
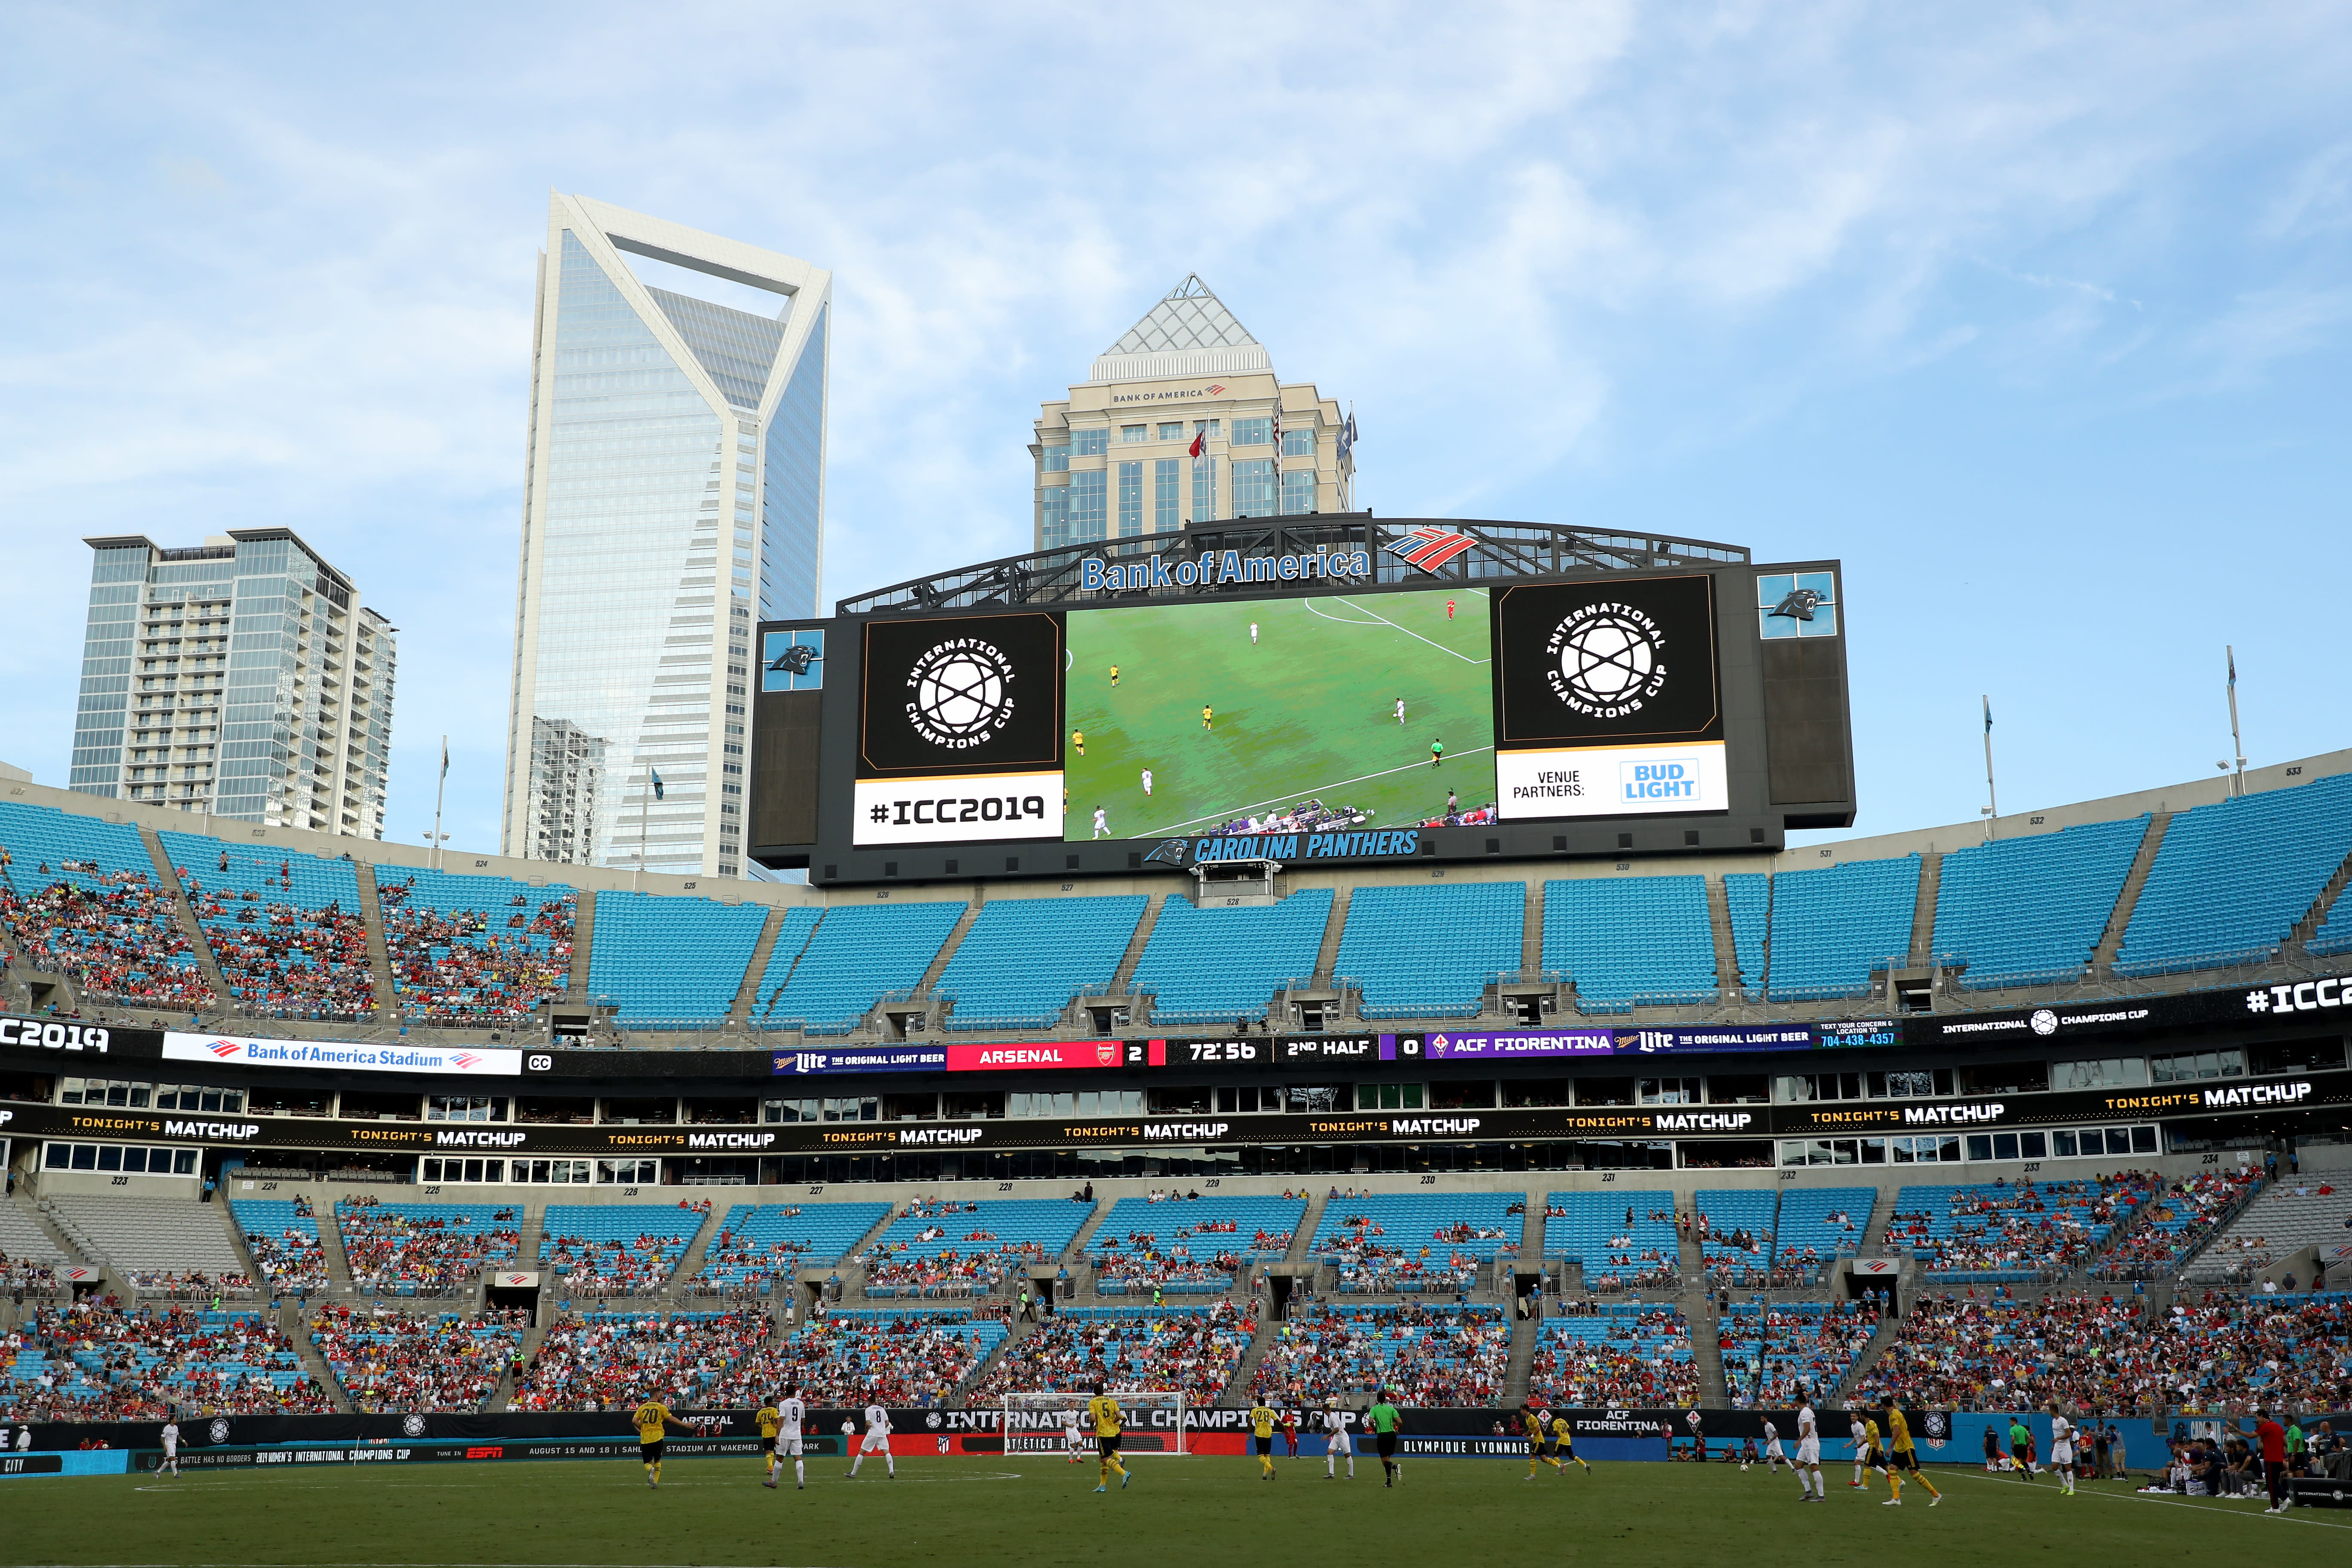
(857, 952)
(671, 960)
(853, 1358)
(390, 1360)
(1430, 1354)
(792, 939)
(1622, 1353)
(1739, 1225)
(950, 1248)
(2291, 1216)
(155, 1245)
(425, 1250)
(2029, 911)
(612, 1360)
(83, 898)
(1631, 939)
(2000, 1232)
(1023, 959)
(2232, 879)
(1830, 928)
(29, 1260)
(1769, 1351)
(1430, 952)
(758, 1242)
(474, 949)
(1188, 1245)
(1617, 1252)
(1749, 895)
(1214, 965)
(1195, 1350)
(108, 1364)
(615, 1249)
(2335, 932)
(284, 926)
(1384, 1242)
(1819, 1224)
(282, 1236)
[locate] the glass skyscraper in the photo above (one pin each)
(241, 678)
(674, 498)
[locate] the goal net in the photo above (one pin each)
(1152, 1421)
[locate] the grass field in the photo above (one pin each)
(1307, 711)
(1033, 1513)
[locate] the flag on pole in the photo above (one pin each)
(1987, 705)
(657, 783)
(1200, 440)
(2233, 665)
(445, 756)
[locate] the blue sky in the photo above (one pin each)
(2036, 316)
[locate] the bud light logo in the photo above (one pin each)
(1649, 782)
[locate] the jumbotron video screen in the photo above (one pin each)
(1335, 720)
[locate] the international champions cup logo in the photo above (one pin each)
(1606, 660)
(958, 695)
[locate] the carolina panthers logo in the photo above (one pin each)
(1798, 606)
(1168, 852)
(796, 659)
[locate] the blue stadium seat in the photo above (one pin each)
(1583, 1233)
(1214, 965)
(1631, 939)
(792, 940)
(2335, 932)
(2232, 879)
(670, 960)
(138, 952)
(1024, 959)
(2029, 911)
(759, 1241)
(1430, 952)
(1830, 928)
(314, 964)
(856, 954)
(474, 948)
(1823, 1222)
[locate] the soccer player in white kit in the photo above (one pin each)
(1400, 710)
(1337, 1442)
(1861, 1435)
(170, 1446)
(1102, 823)
(1074, 1433)
(789, 1414)
(1146, 782)
(2061, 1450)
(877, 1441)
(1253, 634)
(1774, 1457)
(1808, 1452)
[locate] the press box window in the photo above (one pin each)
(119, 1157)
(628, 1172)
(464, 1107)
(2188, 1068)
(1246, 1098)
(1387, 1096)
(834, 1108)
(449, 1169)
(117, 1092)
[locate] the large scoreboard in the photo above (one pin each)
(1290, 708)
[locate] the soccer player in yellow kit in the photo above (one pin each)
(1532, 1419)
(652, 1419)
(1563, 1444)
(1104, 1410)
(771, 1420)
(1902, 1456)
(1261, 1422)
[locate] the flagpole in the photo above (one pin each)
(439, 789)
(2237, 746)
(1992, 797)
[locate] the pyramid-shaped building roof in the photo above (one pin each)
(1189, 333)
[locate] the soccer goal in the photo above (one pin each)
(1152, 1420)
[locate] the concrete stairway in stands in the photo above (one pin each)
(1727, 949)
(748, 992)
(2103, 955)
(1922, 909)
(186, 914)
(956, 933)
(2317, 916)
(1326, 957)
(584, 930)
(690, 1262)
(1125, 972)
(387, 998)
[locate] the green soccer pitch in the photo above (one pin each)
(1041, 1512)
(1308, 711)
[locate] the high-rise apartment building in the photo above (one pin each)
(242, 677)
(674, 496)
(1117, 456)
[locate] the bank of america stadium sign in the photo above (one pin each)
(1220, 567)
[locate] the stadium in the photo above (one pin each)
(1280, 973)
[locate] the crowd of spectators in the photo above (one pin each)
(606, 1268)
(20, 1279)
(188, 1284)
(394, 1362)
(291, 1261)
(1430, 1354)
(1369, 1266)
(392, 1252)
(951, 1272)
(1781, 1347)
(2233, 1352)
(474, 966)
(2176, 1222)
(2043, 1228)
(1193, 1350)
(613, 1360)
(284, 961)
(118, 934)
(1996, 1353)
(849, 1360)
(1638, 1359)
(100, 1362)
